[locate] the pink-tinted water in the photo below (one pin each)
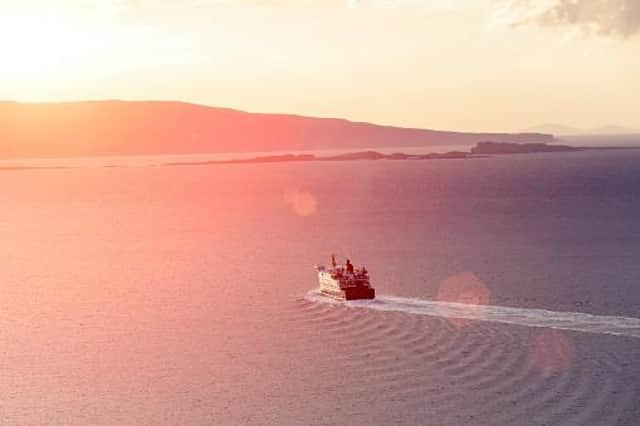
(176, 295)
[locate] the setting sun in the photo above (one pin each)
(36, 46)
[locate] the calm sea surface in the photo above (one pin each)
(178, 295)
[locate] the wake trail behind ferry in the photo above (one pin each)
(573, 321)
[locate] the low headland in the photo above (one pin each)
(351, 156)
(482, 149)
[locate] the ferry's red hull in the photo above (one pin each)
(355, 293)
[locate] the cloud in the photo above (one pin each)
(617, 18)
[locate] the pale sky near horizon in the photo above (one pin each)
(444, 64)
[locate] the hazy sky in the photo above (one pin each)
(446, 64)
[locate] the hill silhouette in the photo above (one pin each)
(562, 130)
(96, 128)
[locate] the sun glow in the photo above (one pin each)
(426, 60)
(37, 46)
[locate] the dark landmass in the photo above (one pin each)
(149, 128)
(365, 155)
(273, 159)
(515, 148)
(351, 156)
(373, 155)
(482, 149)
(489, 148)
(447, 155)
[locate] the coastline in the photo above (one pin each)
(481, 150)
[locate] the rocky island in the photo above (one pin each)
(518, 148)
(481, 149)
(350, 156)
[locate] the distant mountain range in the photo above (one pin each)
(124, 128)
(561, 130)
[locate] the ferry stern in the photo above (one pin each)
(345, 282)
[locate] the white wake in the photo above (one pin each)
(574, 321)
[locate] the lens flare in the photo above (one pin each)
(550, 352)
(303, 203)
(467, 289)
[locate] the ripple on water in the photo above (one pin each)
(423, 363)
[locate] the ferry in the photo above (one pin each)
(345, 282)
